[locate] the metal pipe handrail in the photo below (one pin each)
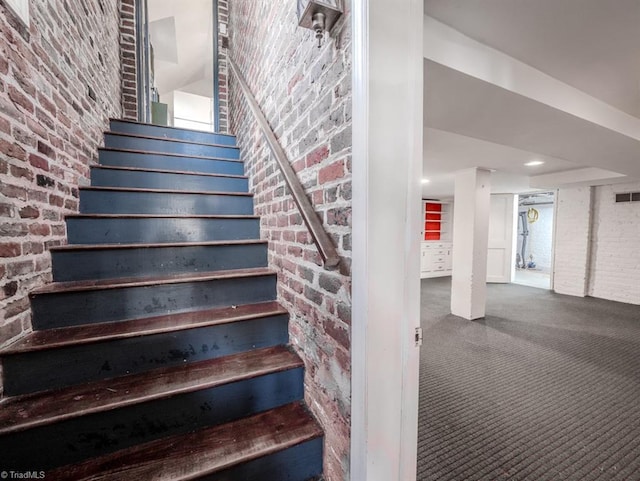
(320, 237)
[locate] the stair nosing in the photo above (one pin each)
(157, 245)
(163, 191)
(132, 282)
(167, 139)
(166, 171)
(125, 329)
(135, 122)
(214, 379)
(170, 154)
(306, 429)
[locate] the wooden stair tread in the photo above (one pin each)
(190, 456)
(167, 171)
(167, 154)
(164, 191)
(160, 216)
(168, 139)
(42, 408)
(125, 282)
(93, 247)
(107, 331)
(128, 121)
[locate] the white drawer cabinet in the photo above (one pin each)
(435, 259)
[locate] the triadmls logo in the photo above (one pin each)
(23, 475)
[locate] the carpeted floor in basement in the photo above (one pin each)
(545, 388)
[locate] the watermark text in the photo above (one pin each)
(23, 475)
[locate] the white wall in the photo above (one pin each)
(572, 243)
(540, 239)
(597, 243)
(615, 246)
(192, 111)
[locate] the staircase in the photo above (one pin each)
(159, 351)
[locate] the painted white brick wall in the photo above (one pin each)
(615, 246)
(572, 243)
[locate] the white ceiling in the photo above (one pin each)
(442, 149)
(459, 103)
(592, 45)
(182, 37)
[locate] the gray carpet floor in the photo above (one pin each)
(546, 387)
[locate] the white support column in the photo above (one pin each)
(470, 243)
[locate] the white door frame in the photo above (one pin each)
(553, 232)
(387, 167)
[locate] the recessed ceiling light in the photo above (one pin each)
(425, 181)
(533, 163)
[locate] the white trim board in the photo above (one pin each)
(387, 168)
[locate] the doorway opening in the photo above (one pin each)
(534, 251)
(179, 66)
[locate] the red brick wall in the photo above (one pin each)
(305, 93)
(59, 83)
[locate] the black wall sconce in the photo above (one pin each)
(319, 15)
